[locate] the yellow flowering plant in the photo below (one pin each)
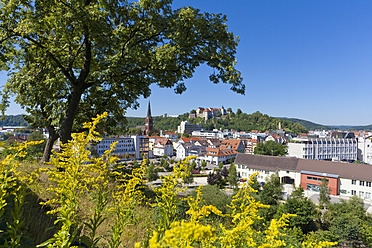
(167, 194)
(127, 196)
(11, 188)
(74, 172)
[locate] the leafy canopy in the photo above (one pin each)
(70, 60)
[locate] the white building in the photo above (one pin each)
(218, 155)
(133, 146)
(185, 127)
(335, 149)
(183, 150)
(365, 150)
(163, 147)
(344, 179)
(203, 133)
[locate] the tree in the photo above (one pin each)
(69, 61)
(270, 195)
(203, 164)
(152, 175)
(225, 172)
(270, 148)
(238, 112)
(233, 176)
(231, 160)
(324, 197)
(304, 209)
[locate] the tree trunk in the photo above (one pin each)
(68, 120)
(53, 136)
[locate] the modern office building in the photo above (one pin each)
(134, 146)
(335, 149)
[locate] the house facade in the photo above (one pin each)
(344, 179)
(163, 147)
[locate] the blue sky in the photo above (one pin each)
(303, 59)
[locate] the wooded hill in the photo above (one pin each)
(238, 121)
(13, 120)
(307, 124)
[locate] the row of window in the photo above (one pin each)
(366, 195)
(362, 183)
(316, 179)
(120, 141)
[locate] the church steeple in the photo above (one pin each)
(149, 111)
(148, 121)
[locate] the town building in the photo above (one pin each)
(184, 150)
(344, 179)
(163, 147)
(186, 127)
(218, 155)
(203, 133)
(234, 144)
(365, 149)
(134, 146)
(335, 149)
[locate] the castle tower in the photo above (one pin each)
(148, 121)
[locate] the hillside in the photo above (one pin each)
(343, 127)
(13, 120)
(238, 122)
(314, 126)
(307, 124)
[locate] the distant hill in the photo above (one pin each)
(343, 127)
(307, 124)
(13, 120)
(238, 122)
(313, 126)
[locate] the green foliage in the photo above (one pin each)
(270, 148)
(270, 195)
(303, 208)
(13, 120)
(152, 175)
(308, 124)
(241, 122)
(69, 61)
(212, 195)
(324, 197)
(233, 176)
(36, 150)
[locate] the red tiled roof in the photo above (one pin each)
(162, 142)
(186, 140)
(217, 152)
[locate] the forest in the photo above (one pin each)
(238, 121)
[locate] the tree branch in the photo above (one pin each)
(59, 64)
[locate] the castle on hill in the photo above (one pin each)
(208, 113)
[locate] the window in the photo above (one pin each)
(361, 183)
(368, 195)
(353, 192)
(353, 182)
(361, 194)
(315, 179)
(368, 184)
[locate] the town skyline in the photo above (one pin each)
(306, 60)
